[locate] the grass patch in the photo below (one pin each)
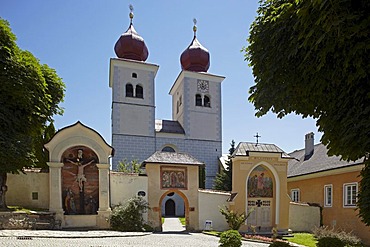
(20, 208)
(213, 233)
(306, 239)
(183, 221)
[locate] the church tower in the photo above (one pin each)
(196, 105)
(133, 100)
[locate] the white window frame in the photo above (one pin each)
(292, 195)
(345, 195)
(326, 196)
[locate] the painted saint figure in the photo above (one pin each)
(80, 174)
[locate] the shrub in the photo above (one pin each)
(279, 244)
(330, 242)
(233, 219)
(348, 239)
(129, 217)
(230, 238)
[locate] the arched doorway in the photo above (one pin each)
(170, 208)
(175, 208)
(260, 198)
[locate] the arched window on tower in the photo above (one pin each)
(198, 100)
(207, 101)
(168, 149)
(129, 90)
(139, 92)
(134, 75)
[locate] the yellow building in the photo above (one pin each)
(332, 183)
(260, 181)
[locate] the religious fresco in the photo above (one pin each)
(80, 181)
(173, 177)
(260, 183)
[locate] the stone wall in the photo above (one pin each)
(28, 190)
(303, 218)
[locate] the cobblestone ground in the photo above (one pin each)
(154, 240)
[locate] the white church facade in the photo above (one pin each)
(196, 124)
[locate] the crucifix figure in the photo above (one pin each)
(257, 136)
(80, 177)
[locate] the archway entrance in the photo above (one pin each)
(170, 208)
(174, 206)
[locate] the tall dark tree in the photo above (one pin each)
(29, 96)
(223, 180)
(312, 58)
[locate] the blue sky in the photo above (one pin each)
(77, 38)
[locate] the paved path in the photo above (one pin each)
(172, 225)
(109, 238)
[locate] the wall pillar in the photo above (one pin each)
(104, 210)
(55, 197)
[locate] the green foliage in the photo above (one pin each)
(364, 195)
(233, 219)
(30, 94)
(223, 180)
(129, 167)
(330, 242)
(230, 238)
(312, 58)
(336, 237)
(305, 239)
(279, 244)
(129, 217)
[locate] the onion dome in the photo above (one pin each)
(195, 57)
(131, 45)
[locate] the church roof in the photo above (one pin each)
(168, 126)
(195, 57)
(131, 45)
(244, 148)
(172, 158)
(318, 162)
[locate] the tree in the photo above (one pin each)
(312, 58)
(223, 180)
(129, 167)
(30, 94)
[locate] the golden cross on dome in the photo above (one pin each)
(131, 15)
(195, 27)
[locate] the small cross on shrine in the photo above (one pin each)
(257, 136)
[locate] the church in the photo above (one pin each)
(196, 124)
(82, 184)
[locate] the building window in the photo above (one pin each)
(350, 194)
(207, 101)
(294, 194)
(35, 195)
(198, 100)
(139, 92)
(168, 149)
(328, 195)
(134, 75)
(129, 90)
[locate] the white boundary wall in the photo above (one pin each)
(303, 217)
(210, 203)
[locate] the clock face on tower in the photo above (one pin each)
(203, 86)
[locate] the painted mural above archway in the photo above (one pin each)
(260, 183)
(80, 181)
(173, 177)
